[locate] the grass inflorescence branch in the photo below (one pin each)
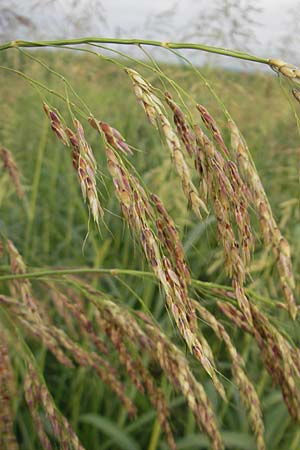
(137, 42)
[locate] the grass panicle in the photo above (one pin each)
(11, 167)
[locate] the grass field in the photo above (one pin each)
(51, 228)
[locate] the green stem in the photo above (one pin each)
(116, 272)
(137, 42)
(156, 430)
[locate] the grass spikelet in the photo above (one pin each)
(296, 94)
(184, 131)
(229, 195)
(113, 136)
(270, 231)
(235, 316)
(128, 194)
(11, 167)
(282, 353)
(85, 165)
(182, 168)
(176, 368)
(154, 110)
(33, 401)
(211, 125)
(279, 357)
(84, 162)
(56, 124)
(168, 235)
(21, 287)
(288, 70)
(7, 392)
(248, 394)
(93, 360)
(145, 96)
(123, 330)
(69, 304)
(38, 395)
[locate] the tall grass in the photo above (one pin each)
(148, 297)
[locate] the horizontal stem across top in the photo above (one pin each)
(103, 40)
(61, 272)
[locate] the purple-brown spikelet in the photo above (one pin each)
(36, 326)
(182, 168)
(121, 328)
(113, 136)
(86, 328)
(223, 185)
(33, 401)
(235, 316)
(93, 360)
(85, 165)
(269, 227)
(7, 392)
(83, 160)
(11, 167)
(43, 333)
(169, 236)
(211, 125)
(277, 354)
(21, 287)
(38, 395)
(247, 391)
(56, 124)
(178, 372)
(129, 195)
(150, 339)
(184, 131)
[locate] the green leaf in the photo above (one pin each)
(120, 437)
(232, 440)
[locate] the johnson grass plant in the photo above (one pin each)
(149, 250)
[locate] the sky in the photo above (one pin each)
(273, 33)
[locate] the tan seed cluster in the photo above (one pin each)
(145, 96)
(288, 70)
(296, 94)
(154, 110)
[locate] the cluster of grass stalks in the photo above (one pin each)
(170, 319)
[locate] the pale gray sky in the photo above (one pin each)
(277, 32)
